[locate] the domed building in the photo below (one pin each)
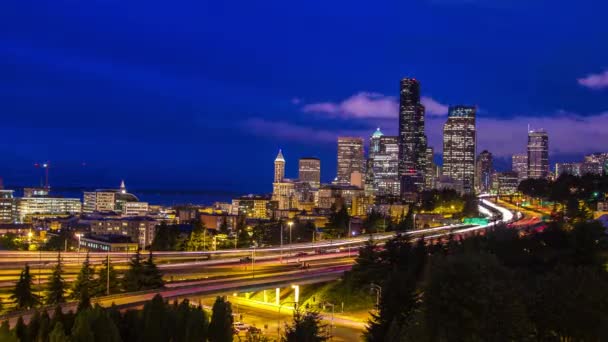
(108, 200)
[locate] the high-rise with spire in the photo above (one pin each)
(279, 168)
(412, 139)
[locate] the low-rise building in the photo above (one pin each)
(46, 207)
(141, 229)
(135, 209)
(8, 208)
(108, 243)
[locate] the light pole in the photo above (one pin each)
(252, 262)
(108, 272)
(378, 290)
(78, 235)
(331, 331)
(281, 257)
(290, 224)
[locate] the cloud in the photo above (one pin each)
(434, 108)
(369, 105)
(595, 81)
(296, 100)
(569, 133)
(293, 132)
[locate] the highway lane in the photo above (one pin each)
(281, 278)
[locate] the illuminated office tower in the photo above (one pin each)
(350, 159)
(309, 171)
(538, 154)
(384, 160)
(412, 139)
(483, 172)
(459, 135)
(519, 164)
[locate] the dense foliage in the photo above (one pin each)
(158, 321)
(496, 287)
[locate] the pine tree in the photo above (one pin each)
(20, 330)
(85, 280)
(33, 327)
(220, 328)
(196, 242)
(152, 277)
(133, 278)
(56, 285)
(6, 335)
(105, 279)
(58, 334)
(154, 317)
(45, 327)
(22, 294)
(305, 327)
(85, 301)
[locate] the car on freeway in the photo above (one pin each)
(240, 326)
(246, 259)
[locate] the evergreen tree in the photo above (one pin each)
(58, 316)
(220, 328)
(58, 334)
(84, 302)
(20, 330)
(6, 335)
(45, 327)
(224, 225)
(101, 285)
(84, 280)
(151, 276)
(56, 285)
(133, 278)
(306, 327)
(197, 242)
(94, 325)
(22, 294)
(33, 327)
(155, 320)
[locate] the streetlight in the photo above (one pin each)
(290, 223)
(78, 235)
(281, 243)
(331, 333)
(378, 290)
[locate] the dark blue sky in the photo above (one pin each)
(201, 94)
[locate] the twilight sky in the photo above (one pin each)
(201, 94)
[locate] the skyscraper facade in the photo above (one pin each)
(519, 164)
(412, 139)
(459, 144)
(538, 154)
(279, 168)
(483, 172)
(350, 159)
(309, 171)
(430, 175)
(384, 160)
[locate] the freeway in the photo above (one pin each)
(275, 268)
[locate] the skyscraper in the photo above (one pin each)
(384, 160)
(279, 168)
(483, 172)
(350, 158)
(430, 174)
(538, 154)
(309, 170)
(459, 135)
(412, 139)
(519, 164)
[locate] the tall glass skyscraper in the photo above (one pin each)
(483, 172)
(412, 139)
(459, 144)
(538, 154)
(384, 160)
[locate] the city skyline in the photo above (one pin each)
(150, 105)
